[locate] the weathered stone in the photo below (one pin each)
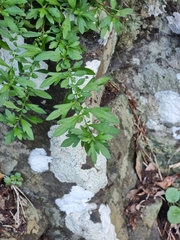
(120, 167)
(143, 229)
(36, 224)
(9, 155)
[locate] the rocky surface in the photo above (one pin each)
(146, 62)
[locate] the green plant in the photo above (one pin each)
(173, 196)
(14, 179)
(51, 30)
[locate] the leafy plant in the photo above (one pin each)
(15, 179)
(173, 196)
(51, 32)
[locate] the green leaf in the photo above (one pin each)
(39, 23)
(18, 133)
(2, 63)
(74, 54)
(55, 12)
(10, 104)
(72, 3)
(103, 149)
(117, 25)
(124, 12)
(33, 13)
(27, 128)
(53, 45)
(93, 85)
(72, 140)
(14, 2)
(92, 152)
(6, 34)
(104, 128)
(10, 117)
(3, 97)
(34, 119)
(104, 114)
(54, 78)
(173, 215)
(35, 108)
(5, 88)
(92, 26)
(66, 26)
(53, 2)
(10, 23)
(9, 137)
(31, 34)
(31, 50)
(19, 91)
(31, 47)
(102, 80)
(2, 118)
(105, 22)
(24, 81)
(42, 94)
(42, 12)
(86, 70)
(104, 137)
(104, 31)
(50, 18)
(48, 55)
(14, 10)
(66, 124)
(7, 180)
(81, 24)
(172, 195)
(62, 109)
(4, 45)
(113, 4)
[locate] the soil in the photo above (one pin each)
(8, 210)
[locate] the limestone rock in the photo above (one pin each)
(67, 165)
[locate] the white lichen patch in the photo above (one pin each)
(174, 22)
(169, 106)
(155, 8)
(176, 132)
(67, 165)
(178, 76)
(76, 201)
(38, 160)
(78, 215)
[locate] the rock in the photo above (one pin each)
(9, 156)
(174, 22)
(36, 224)
(143, 229)
(67, 165)
(169, 107)
(120, 167)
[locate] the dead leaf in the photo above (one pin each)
(168, 181)
(2, 202)
(132, 193)
(159, 194)
(1, 176)
(175, 165)
(2, 218)
(132, 209)
(139, 206)
(150, 167)
(138, 166)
